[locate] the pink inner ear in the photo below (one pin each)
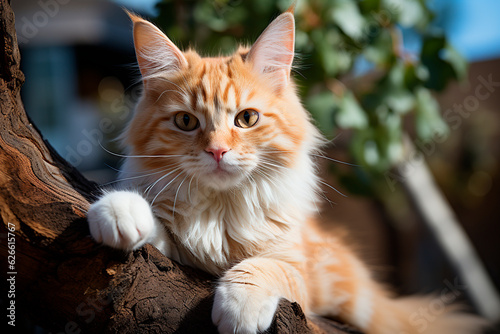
(155, 52)
(274, 49)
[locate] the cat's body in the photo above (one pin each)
(220, 151)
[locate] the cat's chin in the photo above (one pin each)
(222, 180)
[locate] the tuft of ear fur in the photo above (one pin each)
(272, 53)
(156, 54)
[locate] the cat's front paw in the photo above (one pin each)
(121, 219)
(242, 308)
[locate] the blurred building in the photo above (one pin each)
(78, 60)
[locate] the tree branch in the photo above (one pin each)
(437, 214)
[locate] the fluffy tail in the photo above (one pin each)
(340, 285)
(424, 315)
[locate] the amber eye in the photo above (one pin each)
(186, 122)
(247, 118)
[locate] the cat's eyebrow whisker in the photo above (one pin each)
(184, 79)
(331, 187)
(168, 90)
(183, 90)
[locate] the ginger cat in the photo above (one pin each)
(220, 175)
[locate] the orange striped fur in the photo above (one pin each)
(240, 202)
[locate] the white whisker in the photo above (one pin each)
(151, 186)
(331, 187)
(139, 156)
(189, 189)
(175, 198)
(165, 91)
(136, 177)
(162, 189)
(334, 160)
(313, 154)
(265, 175)
(136, 172)
(266, 162)
(174, 84)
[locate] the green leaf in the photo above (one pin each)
(428, 119)
(350, 115)
(442, 65)
(369, 6)
(456, 60)
(415, 75)
(348, 17)
(332, 57)
(394, 143)
(394, 92)
(409, 12)
(397, 74)
(302, 41)
(371, 154)
(380, 51)
(322, 106)
(400, 100)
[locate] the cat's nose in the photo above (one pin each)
(217, 152)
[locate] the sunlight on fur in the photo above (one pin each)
(219, 173)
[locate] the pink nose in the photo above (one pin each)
(217, 152)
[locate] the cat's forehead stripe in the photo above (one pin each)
(203, 70)
(215, 88)
(205, 88)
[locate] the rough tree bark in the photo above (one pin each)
(56, 276)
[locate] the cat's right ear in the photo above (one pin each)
(156, 54)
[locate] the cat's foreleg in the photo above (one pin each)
(247, 295)
(125, 220)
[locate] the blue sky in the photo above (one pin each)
(145, 6)
(472, 26)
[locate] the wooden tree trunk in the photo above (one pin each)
(54, 275)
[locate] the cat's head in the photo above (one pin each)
(222, 121)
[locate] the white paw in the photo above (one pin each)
(121, 219)
(243, 308)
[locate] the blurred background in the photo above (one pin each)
(382, 78)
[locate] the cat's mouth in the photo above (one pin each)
(223, 172)
(223, 177)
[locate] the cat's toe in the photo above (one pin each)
(121, 219)
(243, 310)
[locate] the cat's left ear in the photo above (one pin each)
(156, 54)
(272, 53)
